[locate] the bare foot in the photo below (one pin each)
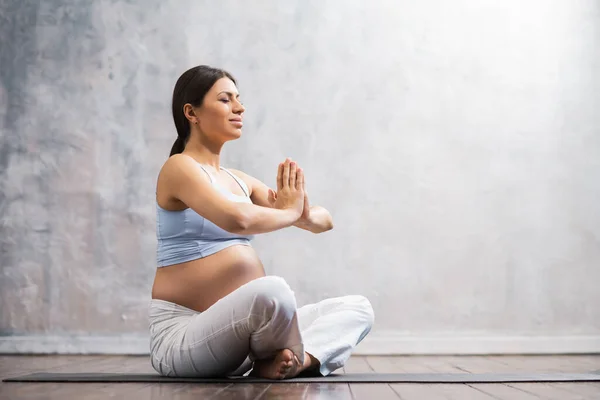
(310, 364)
(278, 367)
(284, 365)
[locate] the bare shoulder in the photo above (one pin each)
(177, 170)
(177, 161)
(180, 166)
(169, 168)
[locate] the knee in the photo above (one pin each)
(363, 309)
(272, 293)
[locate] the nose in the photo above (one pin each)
(238, 107)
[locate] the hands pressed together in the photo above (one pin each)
(291, 191)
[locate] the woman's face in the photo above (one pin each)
(220, 116)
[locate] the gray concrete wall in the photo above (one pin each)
(457, 145)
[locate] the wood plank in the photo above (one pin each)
(11, 366)
(502, 391)
(380, 391)
(286, 391)
(424, 364)
(356, 364)
(589, 390)
(442, 364)
(242, 391)
(180, 391)
(19, 365)
(447, 364)
(544, 363)
(418, 391)
(154, 390)
(67, 390)
(592, 361)
(543, 390)
(479, 364)
(30, 364)
(512, 364)
(389, 364)
(460, 391)
(529, 391)
(123, 365)
(328, 391)
(137, 364)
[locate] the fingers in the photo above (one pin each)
(290, 175)
(300, 179)
(280, 177)
(286, 173)
(303, 182)
(293, 173)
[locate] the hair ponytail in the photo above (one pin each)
(191, 87)
(178, 146)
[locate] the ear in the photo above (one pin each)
(190, 113)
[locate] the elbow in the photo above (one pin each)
(324, 228)
(328, 223)
(238, 223)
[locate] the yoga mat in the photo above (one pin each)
(340, 378)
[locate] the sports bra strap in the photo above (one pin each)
(238, 180)
(207, 173)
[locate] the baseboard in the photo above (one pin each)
(380, 343)
(75, 344)
(395, 343)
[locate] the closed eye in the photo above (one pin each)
(230, 95)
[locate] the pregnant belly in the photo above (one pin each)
(199, 284)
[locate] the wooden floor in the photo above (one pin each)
(20, 365)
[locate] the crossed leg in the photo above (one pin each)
(258, 324)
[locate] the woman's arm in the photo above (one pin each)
(318, 219)
(315, 219)
(185, 181)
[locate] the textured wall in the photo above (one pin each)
(457, 145)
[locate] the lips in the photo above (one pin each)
(236, 122)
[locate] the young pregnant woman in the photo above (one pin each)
(214, 312)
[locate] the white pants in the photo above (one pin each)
(252, 323)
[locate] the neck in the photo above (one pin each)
(204, 151)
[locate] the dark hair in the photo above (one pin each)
(191, 87)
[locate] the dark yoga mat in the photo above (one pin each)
(340, 378)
